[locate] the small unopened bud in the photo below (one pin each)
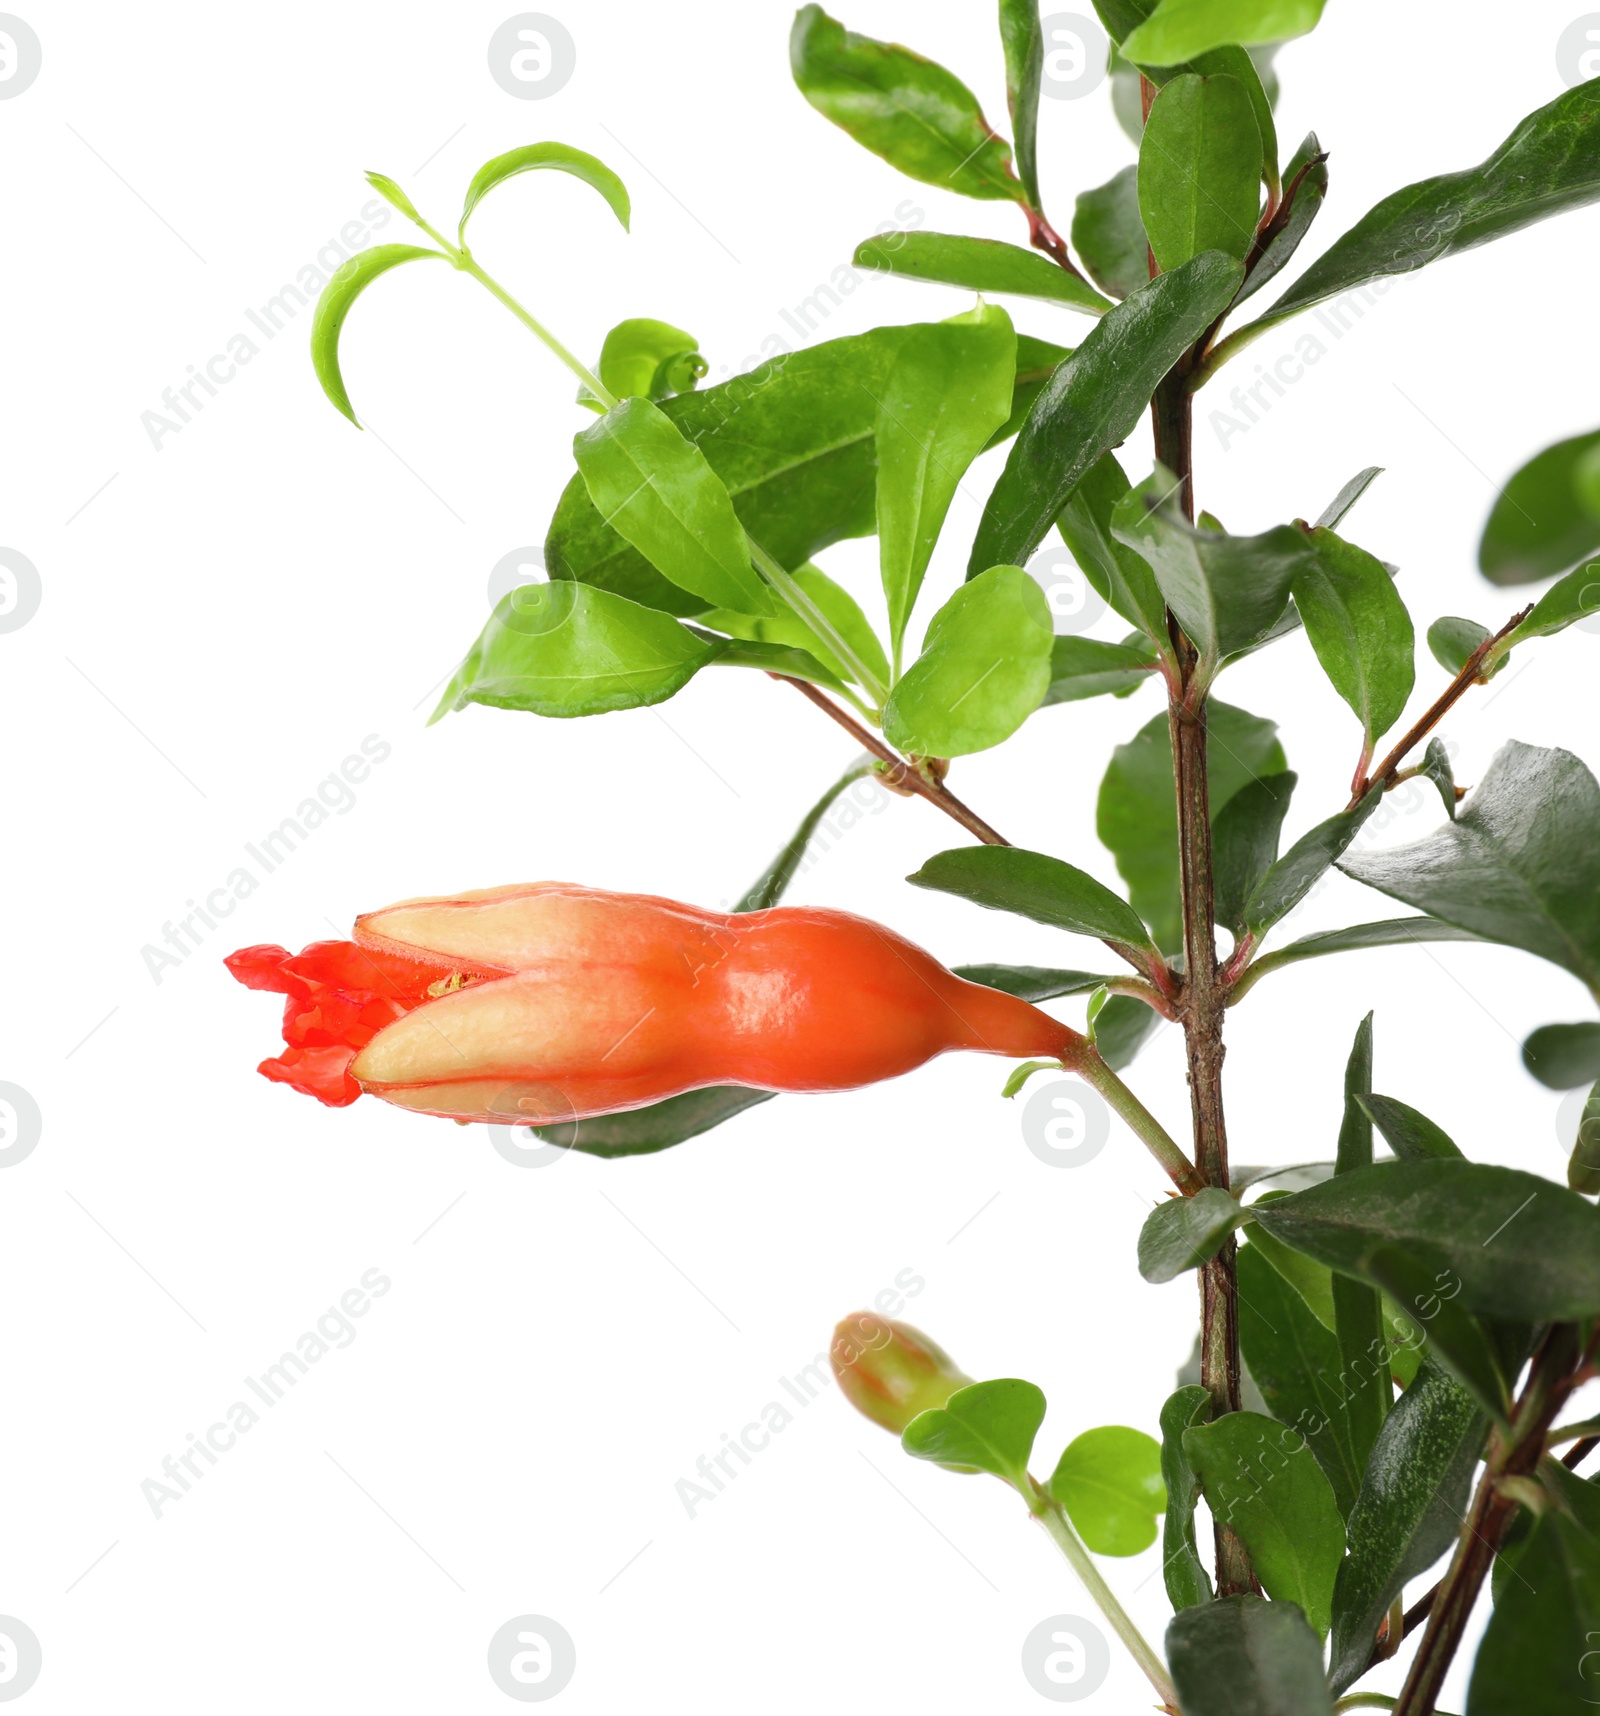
(890, 1371)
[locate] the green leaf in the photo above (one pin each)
(1227, 591)
(1583, 1166)
(1360, 631)
(1108, 233)
(1023, 41)
(913, 113)
(1180, 29)
(989, 1427)
(1454, 641)
(1188, 1582)
(1033, 982)
(1124, 1026)
(563, 158)
(1260, 1478)
(1247, 1657)
(350, 279)
(1137, 817)
(657, 490)
(1412, 1136)
(1454, 1338)
(642, 1131)
(984, 669)
(1296, 1364)
(1563, 1057)
(1245, 835)
(1413, 1498)
(1109, 1481)
(1306, 188)
(978, 264)
(1086, 667)
(1549, 163)
(947, 391)
(838, 607)
(1538, 1655)
(1095, 399)
(1519, 865)
(1299, 870)
(1335, 512)
(1119, 575)
(1525, 1250)
(1181, 1234)
(1547, 518)
(1048, 890)
(1391, 932)
(394, 196)
(769, 658)
(1435, 766)
(773, 882)
(566, 649)
(646, 359)
(1200, 169)
(1575, 598)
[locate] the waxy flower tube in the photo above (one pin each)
(551, 1002)
(890, 1371)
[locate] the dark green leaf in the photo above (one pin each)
(641, 1131)
(913, 113)
(1524, 1250)
(1108, 233)
(1260, 1478)
(1454, 1338)
(1124, 1026)
(564, 159)
(566, 649)
(1549, 163)
(1023, 41)
(1539, 1655)
(1454, 641)
(989, 1426)
(1121, 576)
(1412, 1501)
(1109, 1481)
(1360, 630)
(1180, 29)
(1295, 1362)
(350, 280)
(1307, 175)
(1200, 169)
(1435, 766)
(1227, 591)
(1583, 1167)
(1391, 932)
(1563, 1057)
(1010, 879)
(1548, 516)
(1412, 1136)
(1575, 598)
(838, 607)
(656, 489)
(1520, 864)
(947, 391)
(1180, 1234)
(979, 265)
(1333, 514)
(1188, 1583)
(774, 881)
(1137, 817)
(1094, 400)
(984, 669)
(1246, 1657)
(1034, 982)
(638, 357)
(1245, 843)
(1086, 667)
(1299, 870)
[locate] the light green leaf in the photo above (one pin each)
(1108, 233)
(646, 359)
(1109, 1481)
(839, 608)
(1260, 1478)
(913, 113)
(350, 280)
(563, 158)
(984, 669)
(567, 649)
(1188, 1582)
(1243, 1656)
(1181, 1234)
(1547, 518)
(656, 489)
(947, 391)
(1200, 169)
(988, 1427)
(979, 265)
(1180, 29)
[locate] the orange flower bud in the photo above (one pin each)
(552, 1002)
(890, 1371)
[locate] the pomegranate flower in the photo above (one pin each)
(549, 1002)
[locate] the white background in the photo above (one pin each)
(228, 616)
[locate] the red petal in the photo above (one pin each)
(316, 1072)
